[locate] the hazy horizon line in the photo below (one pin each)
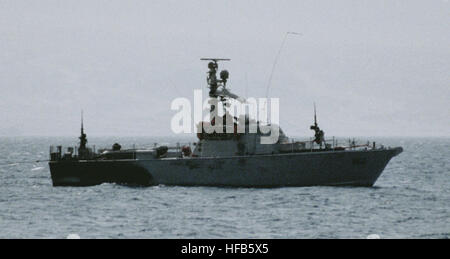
(193, 135)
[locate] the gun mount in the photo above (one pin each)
(319, 135)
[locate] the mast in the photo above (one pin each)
(82, 128)
(83, 136)
(214, 83)
(315, 117)
(212, 80)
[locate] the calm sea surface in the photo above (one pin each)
(411, 199)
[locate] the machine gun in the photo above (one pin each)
(319, 135)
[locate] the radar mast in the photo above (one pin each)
(213, 82)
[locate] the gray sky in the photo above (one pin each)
(374, 68)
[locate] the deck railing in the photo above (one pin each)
(333, 143)
(296, 145)
(61, 153)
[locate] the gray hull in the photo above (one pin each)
(352, 168)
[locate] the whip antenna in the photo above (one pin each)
(276, 59)
(275, 63)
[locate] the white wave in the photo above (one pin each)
(73, 236)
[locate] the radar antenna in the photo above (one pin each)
(216, 59)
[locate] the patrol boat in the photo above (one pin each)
(228, 157)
